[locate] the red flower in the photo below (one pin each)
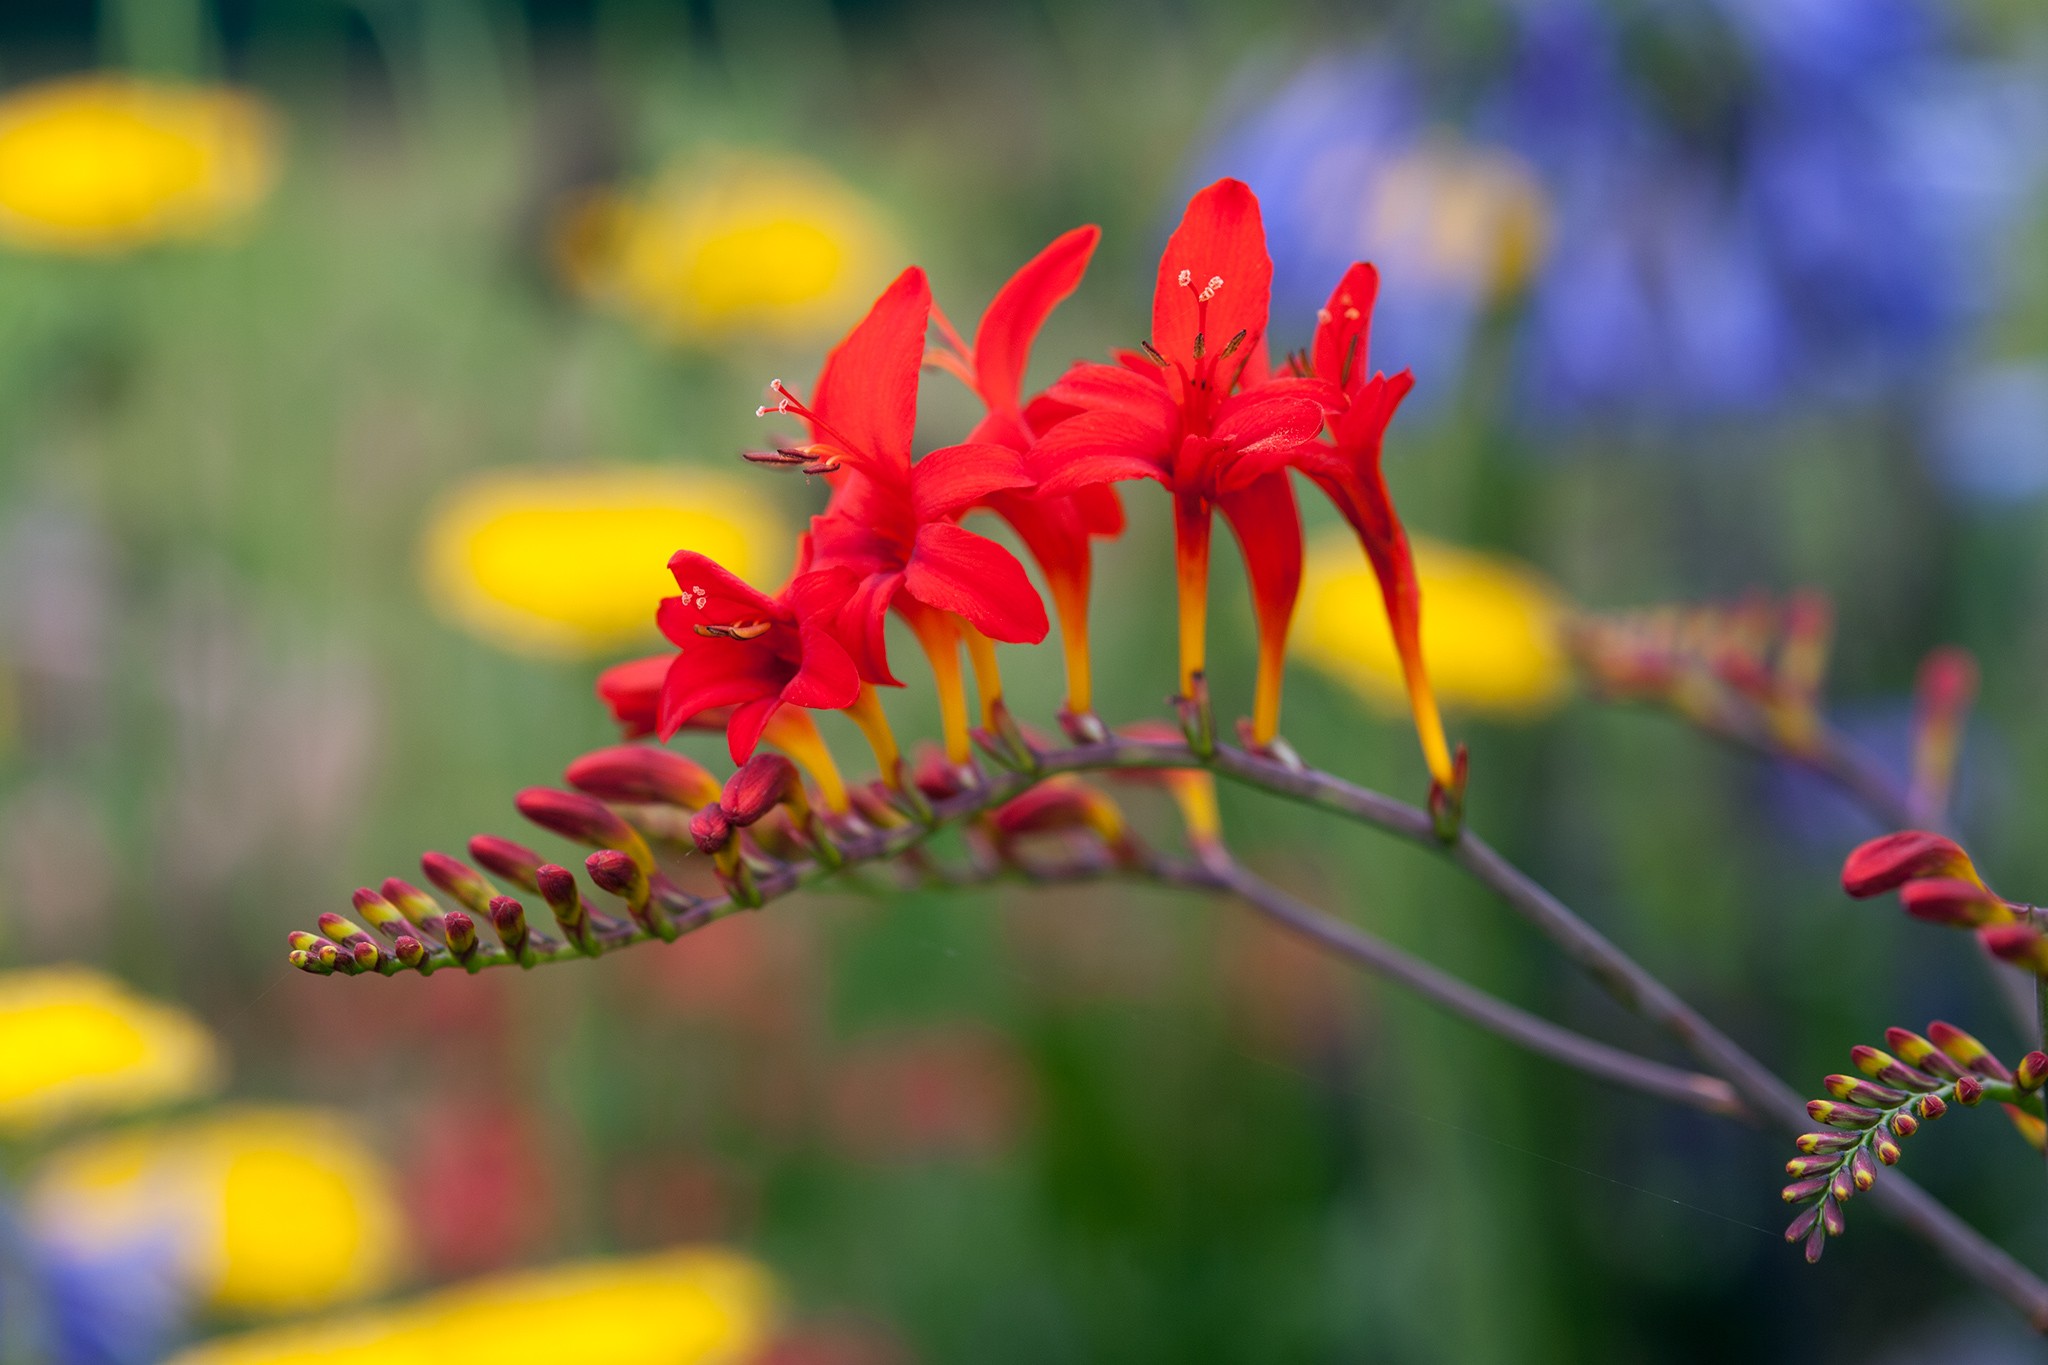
(633, 692)
(744, 649)
(891, 536)
(1348, 469)
(1183, 421)
(1056, 530)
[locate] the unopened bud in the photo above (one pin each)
(1967, 1050)
(1929, 1107)
(762, 783)
(1803, 1224)
(1904, 1124)
(643, 774)
(1841, 1115)
(502, 857)
(1969, 1090)
(565, 900)
(1862, 1170)
(2033, 1069)
(1831, 1217)
(1882, 1066)
(1842, 1184)
(306, 962)
(2020, 944)
(1887, 863)
(383, 916)
(1917, 1051)
(1952, 900)
(415, 904)
(710, 829)
(367, 954)
(1060, 804)
(1801, 1190)
(299, 941)
(508, 917)
(1800, 1167)
(351, 939)
(460, 881)
(1886, 1149)
(584, 819)
(2030, 1127)
(410, 951)
(1859, 1091)
(462, 938)
(1826, 1142)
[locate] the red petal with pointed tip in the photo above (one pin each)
(717, 672)
(1219, 235)
(947, 482)
(1889, 862)
(1002, 344)
(867, 391)
(1344, 328)
(955, 570)
(1108, 388)
(633, 692)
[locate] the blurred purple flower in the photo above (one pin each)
(1988, 433)
(105, 1306)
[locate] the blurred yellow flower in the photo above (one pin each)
(689, 1307)
(574, 562)
(102, 163)
(1458, 214)
(77, 1044)
(270, 1209)
(1492, 629)
(724, 244)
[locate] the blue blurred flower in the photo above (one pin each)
(105, 1306)
(1988, 433)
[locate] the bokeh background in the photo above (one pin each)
(1701, 297)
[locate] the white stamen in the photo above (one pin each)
(1185, 277)
(1350, 315)
(1323, 316)
(1215, 283)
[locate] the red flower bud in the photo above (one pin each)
(762, 783)
(711, 830)
(1886, 1149)
(2033, 1069)
(1929, 1107)
(508, 917)
(1969, 1090)
(1841, 1115)
(1967, 1050)
(460, 881)
(1803, 1224)
(1859, 1091)
(1951, 900)
(643, 773)
(2021, 944)
(1800, 1190)
(503, 858)
(307, 962)
(415, 904)
(1917, 1051)
(410, 951)
(558, 888)
(1886, 863)
(381, 913)
(1826, 1142)
(585, 820)
(461, 936)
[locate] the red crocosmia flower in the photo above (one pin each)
(1347, 468)
(766, 658)
(890, 537)
(1184, 421)
(1056, 530)
(1890, 861)
(632, 691)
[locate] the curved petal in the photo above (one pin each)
(716, 595)
(1278, 423)
(743, 729)
(827, 678)
(633, 692)
(1100, 509)
(1097, 447)
(955, 570)
(860, 625)
(867, 392)
(1111, 388)
(1220, 237)
(718, 672)
(1344, 328)
(955, 478)
(1002, 344)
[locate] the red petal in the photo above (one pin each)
(1100, 509)
(955, 478)
(743, 729)
(1097, 447)
(1267, 524)
(860, 624)
(633, 692)
(1220, 235)
(1364, 422)
(956, 570)
(718, 672)
(715, 597)
(828, 679)
(1278, 423)
(1344, 328)
(1109, 388)
(1002, 345)
(867, 392)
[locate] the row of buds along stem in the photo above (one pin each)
(1866, 1116)
(1937, 882)
(622, 797)
(1725, 666)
